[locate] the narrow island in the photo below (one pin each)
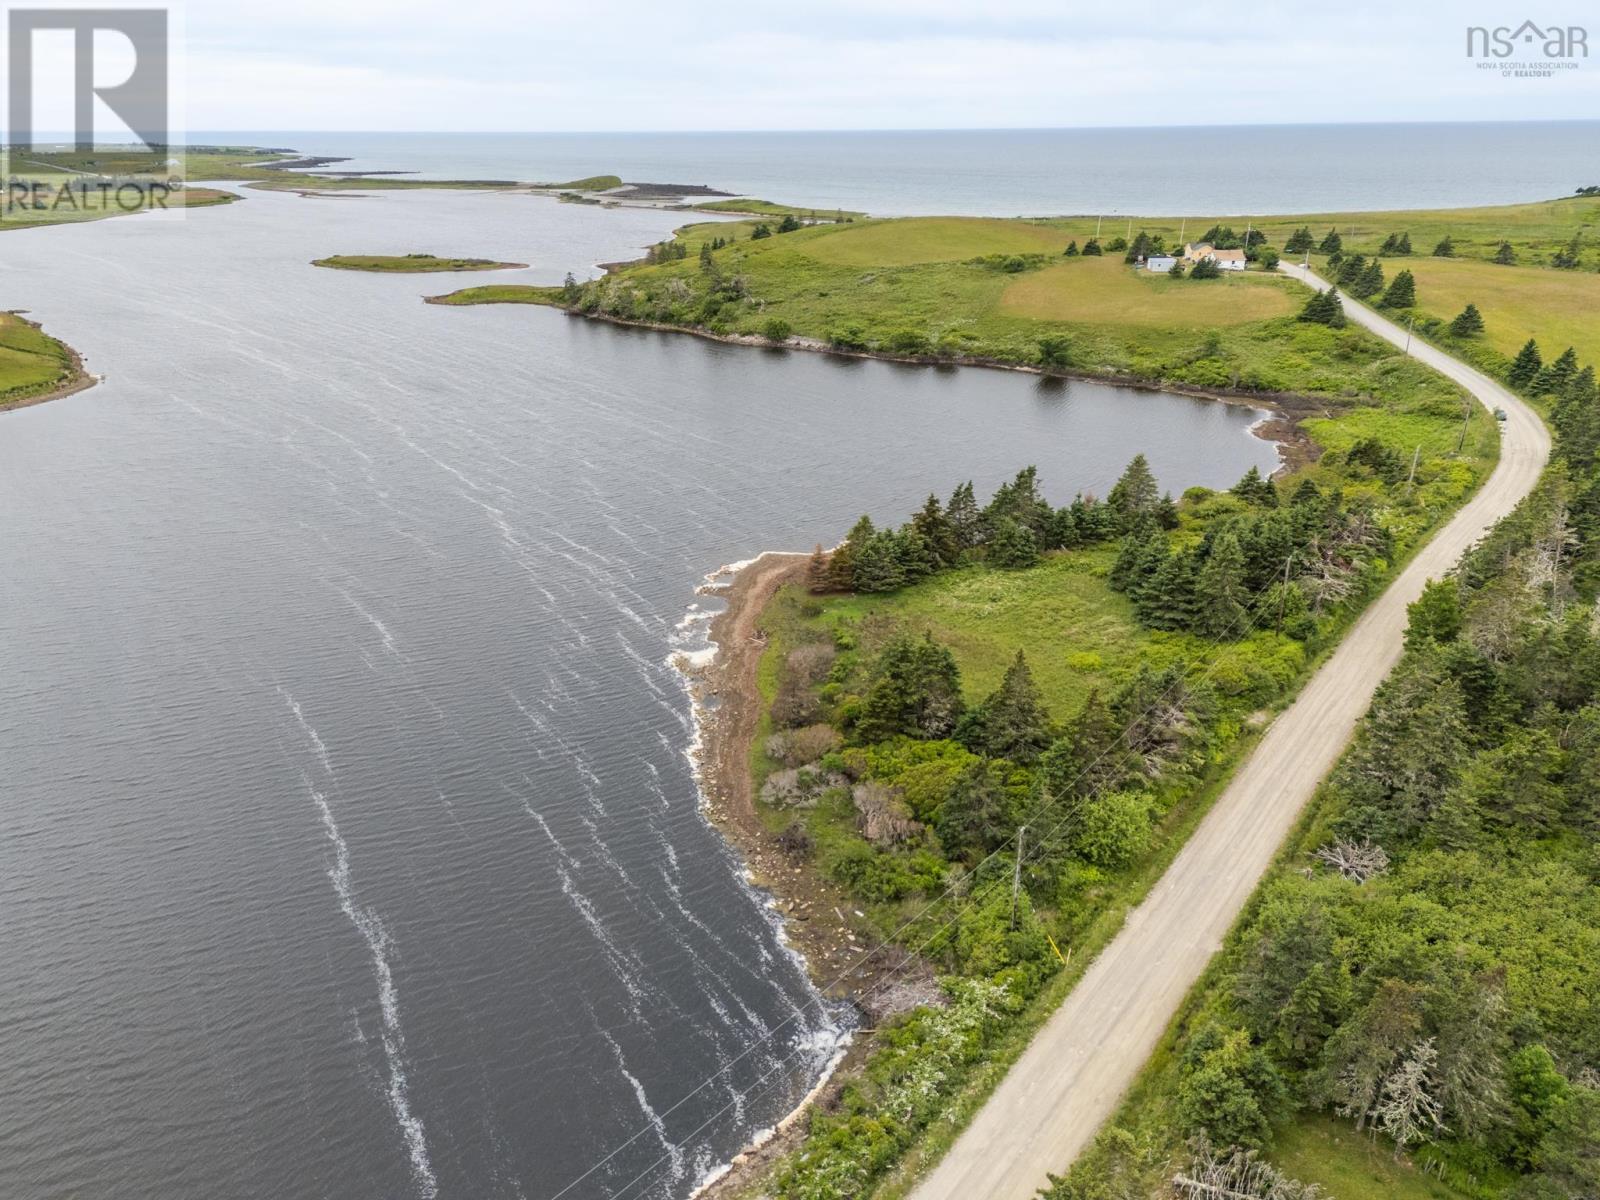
(411, 263)
(35, 367)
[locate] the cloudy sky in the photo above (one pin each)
(819, 64)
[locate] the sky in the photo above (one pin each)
(534, 65)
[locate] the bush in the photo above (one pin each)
(906, 341)
(776, 329)
(1113, 830)
(797, 747)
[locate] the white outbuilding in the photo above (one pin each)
(1159, 262)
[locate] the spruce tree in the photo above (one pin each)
(1141, 554)
(915, 692)
(1299, 241)
(1169, 600)
(1013, 545)
(842, 567)
(876, 564)
(818, 577)
(1012, 722)
(963, 517)
(1402, 292)
(1092, 248)
(1505, 255)
(706, 263)
(1071, 251)
(1324, 308)
(1135, 495)
(930, 521)
(1445, 248)
(1468, 322)
(1330, 244)
(1350, 270)
(1176, 270)
(1554, 379)
(1525, 367)
(1370, 281)
(1221, 590)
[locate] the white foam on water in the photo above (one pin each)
(674, 1151)
(380, 946)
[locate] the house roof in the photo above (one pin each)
(1228, 255)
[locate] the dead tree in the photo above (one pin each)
(1357, 861)
(1238, 1176)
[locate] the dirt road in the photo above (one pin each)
(1075, 1072)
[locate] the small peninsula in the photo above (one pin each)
(35, 367)
(403, 264)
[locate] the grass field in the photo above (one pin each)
(500, 293)
(1104, 289)
(411, 263)
(31, 361)
(1349, 1166)
(766, 208)
(1078, 633)
(928, 240)
(1559, 308)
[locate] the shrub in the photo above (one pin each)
(906, 341)
(1113, 830)
(776, 329)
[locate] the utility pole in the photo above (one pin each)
(1410, 321)
(1283, 596)
(1016, 876)
(1412, 478)
(1097, 221)
(1465, 421)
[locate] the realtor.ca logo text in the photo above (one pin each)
(1528, 51)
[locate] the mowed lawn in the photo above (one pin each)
(1107, 289)
(930, 239)
(1559, 308)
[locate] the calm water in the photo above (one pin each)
(1196, 171)
(348, 844)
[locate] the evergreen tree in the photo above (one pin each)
(1468, 322)
(1435, 615)
(1169, 598)
(1555, 378)
(1402, 292)
(963, 517)
(1221, 590)
(877, 564)
(1092, 249)
(762, 230)
(706, 262)
(1176, 270)
(1013, 545)
(1206, 268)
(570, 291)
(978, 814)
(1445, 248)
(1299, 241)
(1505, 255)
(1019, 500)
(1370, 282)
(1012, 722)
(1141, 554)
(1324, 308)
(789, 223)
(930, 521)
(1255, 488)
(1350, 270)
(1167, 512)
(1135, 495)
(915, 692)
(842, 567)
(1396, 244)
(1331, 244)
(1525, 367)
(818, 578)
(1071, 251)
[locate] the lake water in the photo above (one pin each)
(1203, 172)
(348, 843)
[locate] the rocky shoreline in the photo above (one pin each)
(841, 954)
